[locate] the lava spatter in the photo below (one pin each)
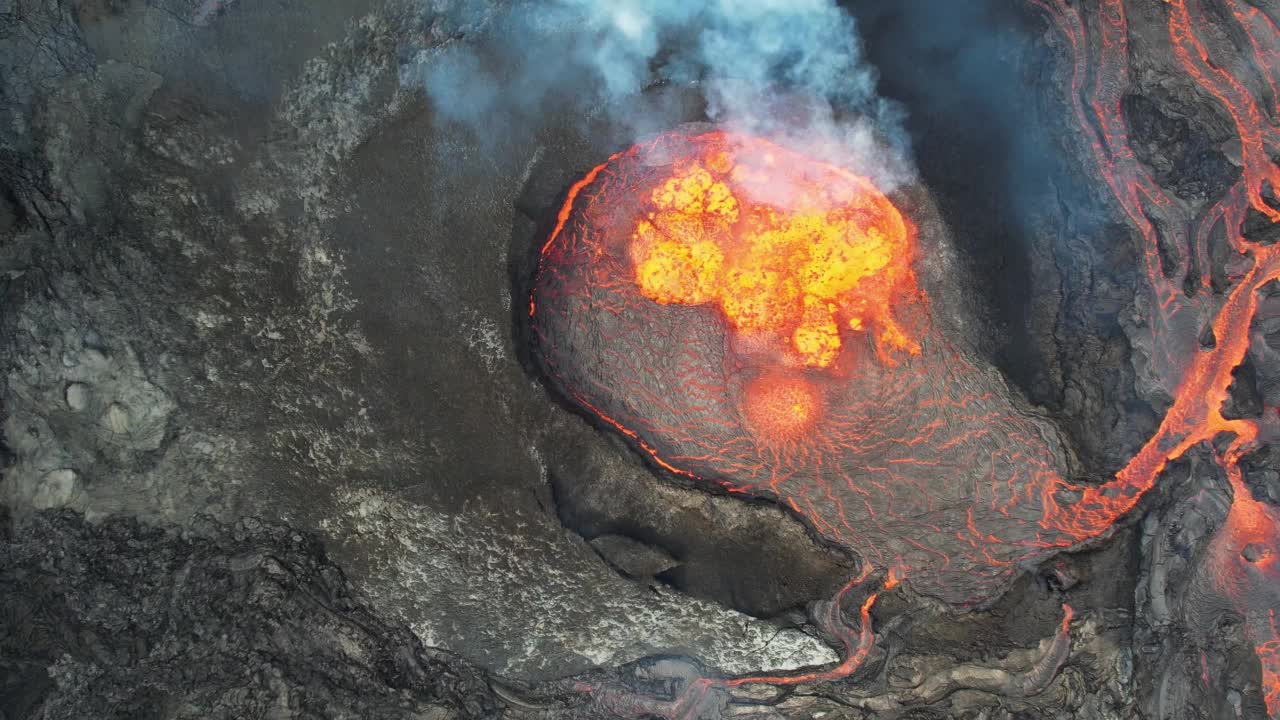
(783, 247)
(750, 316)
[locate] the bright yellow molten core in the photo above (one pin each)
(783, 244)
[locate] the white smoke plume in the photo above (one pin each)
(792, 70)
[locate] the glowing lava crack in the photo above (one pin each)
(750, 316)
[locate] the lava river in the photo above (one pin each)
(1242, 566)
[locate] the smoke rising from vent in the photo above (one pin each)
(792, 70)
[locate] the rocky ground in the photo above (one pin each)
(273, 446)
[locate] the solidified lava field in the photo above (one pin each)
(574, 360)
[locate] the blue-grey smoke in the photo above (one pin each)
(788, 69)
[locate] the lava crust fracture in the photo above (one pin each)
(1242, 563)
(749, 315)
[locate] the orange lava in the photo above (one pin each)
(1242, 557)
(798, 258)
(786, 247)
(780, 407)
(1255, 132)
(896, 446)
(1269, 654)
(1245, 567)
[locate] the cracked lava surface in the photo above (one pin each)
(749, 316)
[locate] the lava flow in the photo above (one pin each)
(1242, 559)
(750, 316)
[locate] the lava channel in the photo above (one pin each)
(1241, 561)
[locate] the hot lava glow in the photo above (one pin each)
(783, 246)
(748, 315)
(780, 407)
(1182, 304)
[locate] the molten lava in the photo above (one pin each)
(784, 246)
(1241, 557)
(780, 407)
(749, 315)
(709, 296)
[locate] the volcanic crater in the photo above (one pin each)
(678, 303)
(572, 360)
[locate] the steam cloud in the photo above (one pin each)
(792, 70)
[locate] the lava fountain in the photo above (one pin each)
(751, 316)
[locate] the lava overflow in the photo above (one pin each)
(749, 316)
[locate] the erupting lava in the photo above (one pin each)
(793, 260)
(749, 315)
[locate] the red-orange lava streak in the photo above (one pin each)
(1194, 417)
(566, 211)
(635, 437)
(1173, 316)
(1250, 523)
(1269, 655)
(1196, 414)
(1264, 38)
(1236, 99)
